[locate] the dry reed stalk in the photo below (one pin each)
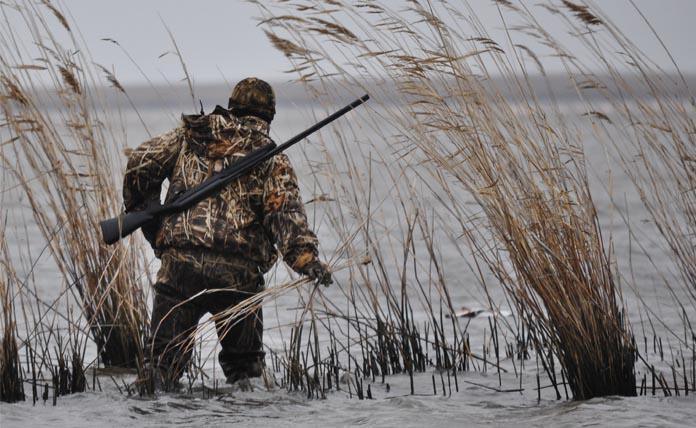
(60, 135)
(539, 233)
(11, 374)
(644, 115)
(54, 358)
(657, 151)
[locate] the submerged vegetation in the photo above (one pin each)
(461, 165)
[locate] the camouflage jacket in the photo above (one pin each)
(249, 218)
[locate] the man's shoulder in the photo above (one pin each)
(280, 165)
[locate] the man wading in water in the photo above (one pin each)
(225, 242)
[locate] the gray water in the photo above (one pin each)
(476, 403)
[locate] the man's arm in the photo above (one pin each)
(286, 221)
(148, 166)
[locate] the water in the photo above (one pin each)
(471, 406)
(476, 403)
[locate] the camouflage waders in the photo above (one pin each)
(229, 280)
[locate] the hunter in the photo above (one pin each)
(224, 243)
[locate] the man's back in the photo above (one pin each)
(248, 217)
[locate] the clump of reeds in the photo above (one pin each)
(11, 374)
(11, 380)
(657, 150)
(535, 224)
(60, 152)
(643, 113)
(40, 354)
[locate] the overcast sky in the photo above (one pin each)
(220, 39)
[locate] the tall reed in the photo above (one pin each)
(59, 150)
(11, 374)
(657, 147)
(535, 224)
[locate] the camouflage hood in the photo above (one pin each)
(219, 135)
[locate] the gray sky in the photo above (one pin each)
(219, 37)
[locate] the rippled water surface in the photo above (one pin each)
(471, 406)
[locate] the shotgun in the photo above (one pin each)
(123, 225)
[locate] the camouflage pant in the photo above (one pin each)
(184, 274)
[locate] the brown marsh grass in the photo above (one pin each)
(60, 150)
(535, 225)
(11, 379)
(658, 149)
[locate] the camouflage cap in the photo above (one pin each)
(253, 96)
